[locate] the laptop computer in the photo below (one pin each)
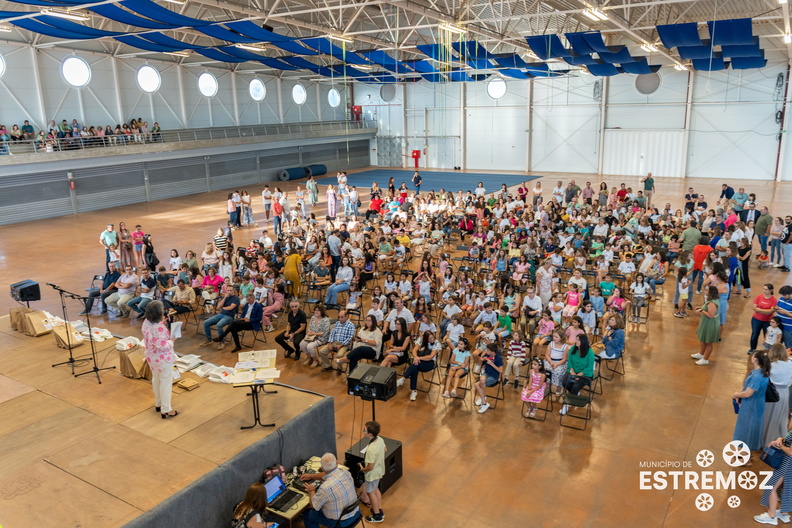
(279, 498)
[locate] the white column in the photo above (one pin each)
(463, 125)
(318, 102)
(686, 134)
(234, 97)
(39, 93)
(119, 106)
(528, 124)
(603, 115)
(405, 133)
(182, 103)
(279, 84)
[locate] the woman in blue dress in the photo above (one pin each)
(750, 419)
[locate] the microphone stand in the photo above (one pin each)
(95, 368)
(63, 293)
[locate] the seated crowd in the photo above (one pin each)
(65, 136)
(555, 281)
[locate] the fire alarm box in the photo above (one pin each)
(357, 111)
(416, 154)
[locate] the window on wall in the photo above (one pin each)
(76, 71)
(333, 98)
(207, 84)
(148, 79)
(496, 88)
(2, 66)
(257, 90)
(299, 95)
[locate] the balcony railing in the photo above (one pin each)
(175, 136)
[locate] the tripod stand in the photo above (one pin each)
(95, 368)
(63, 294)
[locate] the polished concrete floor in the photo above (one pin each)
(496, 469)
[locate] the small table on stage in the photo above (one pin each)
(256, 387)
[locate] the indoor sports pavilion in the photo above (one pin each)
(531, 240)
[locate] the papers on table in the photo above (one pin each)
(187, 362)
(204, 370)
(246, 365)
(221, 374)
(258, 355)
(243, 376)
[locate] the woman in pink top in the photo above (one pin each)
(160, 357)
(211, 284)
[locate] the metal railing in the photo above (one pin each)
(174, 136)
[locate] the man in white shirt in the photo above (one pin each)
(601, 229)
(126, 284)
(398, 311)
(558, 192)
(532, 310)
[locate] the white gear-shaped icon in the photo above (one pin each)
(747, 480)
(705, 458)
(704, 502)
(736, 453)
(734, 501)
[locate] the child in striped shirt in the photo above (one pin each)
(515, 360)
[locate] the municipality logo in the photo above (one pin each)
(676, 475)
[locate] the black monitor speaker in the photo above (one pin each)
(372, 382)
(26, 291)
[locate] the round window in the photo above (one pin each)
(299, 94)
(2, 66)
(333, 98)
(148, 79)
(207, 84)
(76, 71)
(257, 90)
(496, 88)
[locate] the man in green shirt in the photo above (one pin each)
(64, 130)
(690, 236)
(761, 227)
(649, 188)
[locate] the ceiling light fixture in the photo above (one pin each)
(63, 13)
(782, 1)
(250, 47)
(649, 48)
(177, 2)
(595, 14)
(362, 67)
(787, 39)
(5, 29)
(341, 38)
(178, 53)
(680, 67)
(452, 28)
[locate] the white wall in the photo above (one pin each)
(33, 88)
(731, 132)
